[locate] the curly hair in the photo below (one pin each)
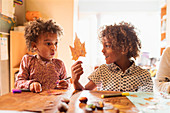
(37, 27)
(123, 38)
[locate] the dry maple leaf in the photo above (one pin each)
(78, 50)
(149, 99)
(133, 95)
(146, 104)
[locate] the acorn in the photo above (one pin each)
(63, 107)
(65, 100)
(100, 105)
(83, 99)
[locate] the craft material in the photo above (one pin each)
(63, 79)
(25, 90)
(16, 91)
(67, 78)
(115, 95)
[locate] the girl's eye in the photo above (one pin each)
(56, 43)
(48, 44)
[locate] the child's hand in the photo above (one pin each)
(77, 71)
(35, 86)
(62, 84)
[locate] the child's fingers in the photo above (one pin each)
(62, 84)
(78, 70)
(62, 87)
(37, 87)
(76, 63)
(32, 87)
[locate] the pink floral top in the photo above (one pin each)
(46, 73)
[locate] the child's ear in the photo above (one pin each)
(33, 45)
(125, 51)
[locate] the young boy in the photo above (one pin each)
(42, 71)
(120, 44)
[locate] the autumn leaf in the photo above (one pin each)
(149, 99)
(78, 50)
(146, 104)
(133, 95)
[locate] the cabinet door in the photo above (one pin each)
(4, 65)
(17, 50)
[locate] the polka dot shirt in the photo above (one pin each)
(112, 78)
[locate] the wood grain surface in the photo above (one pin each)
(120, 104)
(48, 101)
(35, 102)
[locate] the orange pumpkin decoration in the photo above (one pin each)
(32, 15)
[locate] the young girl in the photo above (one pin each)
(120, 44)
(42, 71)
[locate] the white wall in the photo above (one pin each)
(143, 14)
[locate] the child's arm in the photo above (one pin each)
(163, 72)
(77, 71)
(63, 83)
(90, 85)
(22, 78)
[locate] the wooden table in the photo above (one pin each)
(123, 104)
(34, 102)
(48, 103)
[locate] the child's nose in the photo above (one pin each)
(103, 50)
(53, 47)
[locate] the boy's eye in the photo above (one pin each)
(108, 46)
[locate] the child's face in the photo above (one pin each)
(110, 54)
(46, 46)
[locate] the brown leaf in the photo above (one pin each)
(149, 99)
(78, 50)
(146, 104)
(133, 95)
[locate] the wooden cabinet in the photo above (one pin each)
(17, 50)
(163, 26)
(4, 63)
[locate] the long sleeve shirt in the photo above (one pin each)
(33, 69)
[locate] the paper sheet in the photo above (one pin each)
(4, 48)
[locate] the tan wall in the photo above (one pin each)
(62, 12)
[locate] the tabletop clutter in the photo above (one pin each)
(97, 105)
